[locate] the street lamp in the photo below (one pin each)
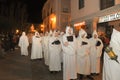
(53, 21)
(32, 29)
(42, 27)
(17, 31)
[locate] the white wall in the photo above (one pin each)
(117, 2)
(91, 6)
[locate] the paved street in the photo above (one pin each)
(13, 66)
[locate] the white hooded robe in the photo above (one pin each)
(111, 69)
(83, 57)
(69, 57)
(55, 50)
(46, 49)
(95, 53)
(24, 43)
(36, 52)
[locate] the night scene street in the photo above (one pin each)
(59, 39)
(16, 67)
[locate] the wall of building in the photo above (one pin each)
(65, 14)
(90, 13)
(60, 10)
(91, 6)
(117, 2)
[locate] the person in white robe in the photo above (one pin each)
(83, 55)
(49, 36)
(95, 53)
(36, 51)
(69, 55)
(111, 69)
(55, 49)
(23, 44)
(46, 48)
(42, 39)
(61, 38)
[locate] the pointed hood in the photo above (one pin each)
(67, 30)
(115, 36)
(37, 34)
(95, 33)
(23, 33)
(50, 33)
(82, 32)
(54, 32)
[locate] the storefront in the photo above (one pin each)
(78, 26)
(106, 24)
(103, 21)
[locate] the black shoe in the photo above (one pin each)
(73, 79)
(39, 59)
(54, 72)
(89, 77)
(81, 77)
(51, 72)
(97, 74)
(93, 74)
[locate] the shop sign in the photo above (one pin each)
(79, 24)
(110, 17)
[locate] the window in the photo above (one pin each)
(81, 4)
(65, 10)
(106, 4)
(51, 11)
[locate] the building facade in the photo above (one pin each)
(89, 13)
(56, 14)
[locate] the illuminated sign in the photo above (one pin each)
(110, 17)
(79, 24)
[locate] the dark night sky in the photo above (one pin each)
(34, 9)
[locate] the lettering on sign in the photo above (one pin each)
(110, 17)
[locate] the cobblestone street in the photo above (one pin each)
(13, 66)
